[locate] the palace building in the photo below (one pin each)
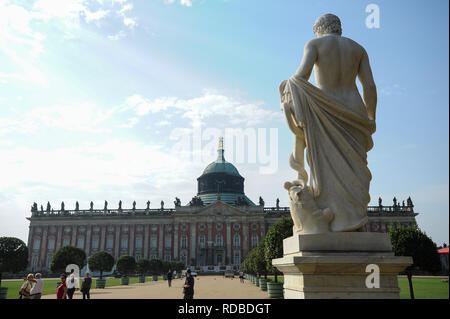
(214, 231)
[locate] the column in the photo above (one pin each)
(88, 240)
(263, 229)
(131, 229)
(102, 239)
(117, 242)
(146, 236)
(175, 241)
(228, 262)
(58, 243)
(245, 241)
(160, 241)
(43, 248)
(74, 236)
(193, 242)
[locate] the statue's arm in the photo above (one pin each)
(308, 60)
(369, 88)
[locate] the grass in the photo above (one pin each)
(424, 287)
(50, 285)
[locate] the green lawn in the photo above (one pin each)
(50, 285)
(424, 288)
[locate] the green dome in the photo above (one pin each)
(221, 167)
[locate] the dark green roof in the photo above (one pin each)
(220, 165)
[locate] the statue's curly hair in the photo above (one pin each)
(326, 24)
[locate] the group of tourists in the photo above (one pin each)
(67, 287)
(32, 287)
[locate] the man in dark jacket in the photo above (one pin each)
(189, 286)
(86, 286)
(169, 277)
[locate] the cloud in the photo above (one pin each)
(187, 3)
(120, 35)
(208, 106)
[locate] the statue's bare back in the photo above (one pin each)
(337, 61)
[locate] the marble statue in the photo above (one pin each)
(334, 125)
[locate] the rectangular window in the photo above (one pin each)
(139, 242)
(201, 241)
(124, 243)
(95, 243)
(66, 241)
(80, 243)
(109, 242)
(168, 240)
(36, 243)
(184, 242)
(51, 244)
(153, 242)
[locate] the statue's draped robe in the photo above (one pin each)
(338, 138)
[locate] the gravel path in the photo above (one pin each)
(207, 287)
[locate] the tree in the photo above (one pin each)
(101, 261)
(13, 255)
(156, 266)
(126, 265)
(411, 241)
(259, 260)
(67, 255)
(143, 266)
(273, 242)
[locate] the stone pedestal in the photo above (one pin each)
(334, 265)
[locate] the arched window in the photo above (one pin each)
(254, 240)
(219, 240)
(237, 240)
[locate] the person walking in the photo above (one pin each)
(241, 276)
(169, 277)
(61, 291)
(26, 287)
(36, 291)
(86, 286)
(188, 288)
(71, 285)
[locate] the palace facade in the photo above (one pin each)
(216, 230)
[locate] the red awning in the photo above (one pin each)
(443, 250)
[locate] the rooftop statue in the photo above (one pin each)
(330, 121)
(91, 206)
(261, 201)
(120, 205)
(148, 204)
(134, 205)
(48, 207)
(62, 206)
(106, 205)
(77, 206)
(162, 205)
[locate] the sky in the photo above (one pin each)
(125, 100)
